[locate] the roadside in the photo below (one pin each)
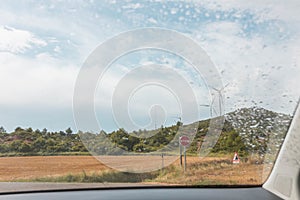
(11, 187)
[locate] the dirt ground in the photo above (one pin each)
(218, 170)
(16, 168)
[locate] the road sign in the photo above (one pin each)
(184, 140)
(236, 158)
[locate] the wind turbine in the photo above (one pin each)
(220, 99)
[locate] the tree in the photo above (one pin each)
(25, 148)
(2, 130)
(44, 131)
(69, 131)
(19, 129)
(37, 131)
(39, 144)
(29, 130)
(3, 148)
(14, 146)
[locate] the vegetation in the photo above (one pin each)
(245, 131)
(101, 177)
(28, 142)
(198, 173)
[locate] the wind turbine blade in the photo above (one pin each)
(213, 100)
(204, 105)
(225, 86)
(214, 89)
(214, 110)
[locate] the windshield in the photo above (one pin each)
(194, 93)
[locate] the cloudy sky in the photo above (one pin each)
(254, 46)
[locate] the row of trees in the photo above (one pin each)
(28, 141)
(32, 142)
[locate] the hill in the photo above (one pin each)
(247, 130)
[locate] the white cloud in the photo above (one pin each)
(246, 62)
(133, 6)
(264, 10)
(42, 81)
(17, 41)
(258, 69)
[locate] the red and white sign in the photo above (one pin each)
(184, 140)
(236, 158)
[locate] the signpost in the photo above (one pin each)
(180, 153)
(162, 162)
(184, 141)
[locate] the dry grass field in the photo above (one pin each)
(217, 171)
(206, 171)
(22, 168)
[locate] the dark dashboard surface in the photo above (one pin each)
(150, 193)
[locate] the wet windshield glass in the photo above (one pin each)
(146, 92)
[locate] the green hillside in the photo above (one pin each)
(247, 131)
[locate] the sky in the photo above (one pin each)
(254, 46)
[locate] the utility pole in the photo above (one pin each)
(184, 158)
(162, 162)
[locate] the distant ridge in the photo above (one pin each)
(247, 130)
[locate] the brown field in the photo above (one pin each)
(208, 170)
(22, 168)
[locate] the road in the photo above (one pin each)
(11, 187)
